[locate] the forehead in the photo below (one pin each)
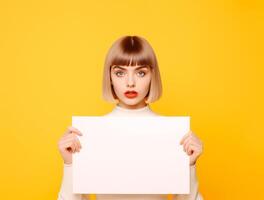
(132, 67)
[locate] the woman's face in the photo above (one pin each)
(131, 84)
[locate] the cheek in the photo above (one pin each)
(118, 84)
(115, 80)
(144, 84)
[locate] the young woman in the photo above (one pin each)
(132, 81)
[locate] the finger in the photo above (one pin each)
(190, 140)
(72, 139)
(69, 138)
(197, 139)
(194, 149)
(187, 142)
(191, 149)
(77, 143)
(75, 146)
(69, 146)
(72, 129)
(184, 137)
(193, 141)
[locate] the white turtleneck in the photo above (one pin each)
(120, 111)
(66, 193)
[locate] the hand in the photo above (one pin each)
(69, 144)
(192, 145)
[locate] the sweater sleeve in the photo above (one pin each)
(194, 189)
(65, 192)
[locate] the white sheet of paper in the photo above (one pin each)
(131, 155)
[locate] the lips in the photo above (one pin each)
(131, 94)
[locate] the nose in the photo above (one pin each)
(130, 81)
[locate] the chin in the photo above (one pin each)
(132, 102)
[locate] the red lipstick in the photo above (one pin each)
(131, 94)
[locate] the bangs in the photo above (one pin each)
(131, 61)
(131, 52)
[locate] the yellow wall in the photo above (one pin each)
(210, 56)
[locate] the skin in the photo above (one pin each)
(136, 78)
(125, 78)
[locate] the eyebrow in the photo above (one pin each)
(116, 66)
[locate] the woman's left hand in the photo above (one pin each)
(193, 146)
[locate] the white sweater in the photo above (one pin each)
(65, 192)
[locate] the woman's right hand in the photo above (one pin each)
(69, 144)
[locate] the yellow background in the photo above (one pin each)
(211, 58)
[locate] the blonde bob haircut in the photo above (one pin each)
(131, 51)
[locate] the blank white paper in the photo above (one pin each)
(131, 155)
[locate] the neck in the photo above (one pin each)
(136, 106)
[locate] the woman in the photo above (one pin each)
(132, 81)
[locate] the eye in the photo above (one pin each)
(141, 73)
(119, 73)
